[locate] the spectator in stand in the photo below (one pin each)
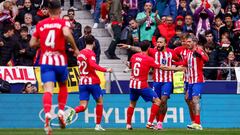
(214, 5)
(170, 9)
(184, 8)
(28, 8)
(203, 18)
(71, 5)
(81, 43)
(211, 74)
(147, 21)
(236, 40)
(97, 13)
(25, 53)
(75, 26)
(166, 30)
(176, 40)
(229, 74)
(228, 28)
(29, 88)
(8, 45)
(17, 27)
(42, 13)
(188, 24)
(131, 10)
(179, 21)
(210, 39)
(5, 13)
(28, 21)
(235, 12)
(130, 36)
(116, 21)
(224, 47)
(218, 24)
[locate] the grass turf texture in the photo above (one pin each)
(121, 132)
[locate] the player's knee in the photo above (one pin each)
(157, 101)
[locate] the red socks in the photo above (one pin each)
(154, 110)
(161, 117)
(79, 109)
(192, 116)
(47, 102)
(130, 112)
(62, 96)
(197, 119)
(99, 112)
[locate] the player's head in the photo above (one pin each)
(161, 43)
(54, 7)
(89, 40)
(191, 41)
(144, 45)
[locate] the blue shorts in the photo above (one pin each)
(85, 91)
(163, 88)
(194, 90)
(185, 87)
(147, 94)
(54, 74)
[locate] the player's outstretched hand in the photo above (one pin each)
(123, 46)
(109, 70)
(76, 53)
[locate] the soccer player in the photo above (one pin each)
(89, 82)
(194, 62)
(163, 80)
(140, 65)
(182, 52)
(51, 34)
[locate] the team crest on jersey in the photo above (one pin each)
(164, 61)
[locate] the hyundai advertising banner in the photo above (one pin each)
(25, 111)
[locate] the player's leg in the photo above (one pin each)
(134, 95)
(149, 95)
(62, 75)
(48, 79)
(84, 98)
(189, 102)
(157, 86)
(196, 93)
(166, 90)
(97, 94)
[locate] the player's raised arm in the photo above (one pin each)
(69, 37)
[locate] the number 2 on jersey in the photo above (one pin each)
(83, 64)
(136, 69)
(50, 40)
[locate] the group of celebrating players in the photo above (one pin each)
(51, 34)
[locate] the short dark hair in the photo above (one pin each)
(207, 32)
(178, 28)
(70, 10)
(54, 4)
(89, 39)
(7, 28)
(228, 15)
(24, 29)
(144, 45)
(87, 30)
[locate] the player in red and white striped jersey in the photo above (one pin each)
(140, 65)
(194, 62)
(163, 80)
(89, 82)
(51, 34)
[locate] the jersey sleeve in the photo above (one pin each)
(93, 64)
(151, 52)
(174, 55)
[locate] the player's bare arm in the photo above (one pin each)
(132, 48)
(34, 42)
(68, 35)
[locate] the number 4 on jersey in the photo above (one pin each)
(50, 40)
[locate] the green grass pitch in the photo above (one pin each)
(121, 132)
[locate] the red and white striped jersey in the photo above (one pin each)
(195, 65)
(52, 41)
(140, 65)
(87, 67)
(182, 52)
(164, 58)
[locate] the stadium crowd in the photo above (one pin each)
(215, 22)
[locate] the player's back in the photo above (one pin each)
(87, 71)
(52, 41)
(140, 65)
(181, 51)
